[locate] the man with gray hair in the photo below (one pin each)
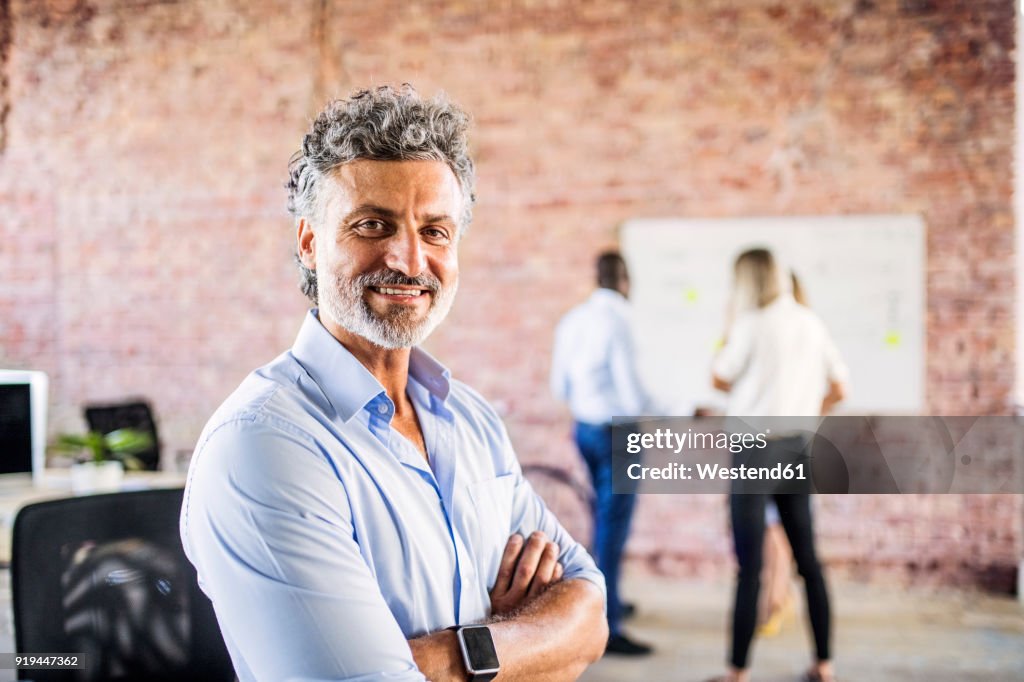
(353, 512)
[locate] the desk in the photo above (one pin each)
(57, 484)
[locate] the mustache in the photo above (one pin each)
(388, 276)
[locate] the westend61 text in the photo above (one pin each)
(708, 472)
(667, 439)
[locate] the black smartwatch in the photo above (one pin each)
(478, 652)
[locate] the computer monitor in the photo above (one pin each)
(23, 401)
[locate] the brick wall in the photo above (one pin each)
(144, 248)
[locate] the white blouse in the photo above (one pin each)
(779, 360)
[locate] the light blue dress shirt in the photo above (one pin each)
(593, 365)
(322, 535)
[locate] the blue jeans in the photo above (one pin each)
(612, 513)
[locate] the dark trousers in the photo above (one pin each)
(747, 511)
(612, 513)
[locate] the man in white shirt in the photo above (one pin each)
(353, 511)
(594, 371)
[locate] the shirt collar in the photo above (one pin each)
(609, 295)
(434, 376)
(345, 381)
(784, 298)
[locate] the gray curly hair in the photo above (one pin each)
(382, 124)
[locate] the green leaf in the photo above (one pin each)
(119, 445)
(131, 462)
(67, 441)
(127, 441)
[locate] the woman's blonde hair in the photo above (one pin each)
(757, 280)
(798, 289)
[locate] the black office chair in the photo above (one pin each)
(136, 415)
(105, 575)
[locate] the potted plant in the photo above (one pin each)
(103, 458)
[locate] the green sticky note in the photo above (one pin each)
(690, 295)
(893, 339)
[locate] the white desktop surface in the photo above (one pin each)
(56, 484)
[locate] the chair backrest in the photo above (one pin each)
(129, 415)
(106, 575)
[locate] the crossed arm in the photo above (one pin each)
(262, 524)
(543, 628)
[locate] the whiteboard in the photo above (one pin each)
(863, 274)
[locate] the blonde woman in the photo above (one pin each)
(776, 602)
(778, 360)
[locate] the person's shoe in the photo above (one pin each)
(624, 646)
(813, 676)
(628, 609)
(779, 616)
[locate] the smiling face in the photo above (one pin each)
(384, 249)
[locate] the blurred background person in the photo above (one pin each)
(778, 360)
(776, 602)
(594, 371)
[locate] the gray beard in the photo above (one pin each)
(345, 304)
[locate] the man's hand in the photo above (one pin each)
(545, 629)
(527, 569)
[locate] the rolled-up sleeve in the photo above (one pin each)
(267, 523)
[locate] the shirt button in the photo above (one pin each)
(382, 408)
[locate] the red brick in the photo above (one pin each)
(144, 247)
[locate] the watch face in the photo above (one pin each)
(480, 648)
